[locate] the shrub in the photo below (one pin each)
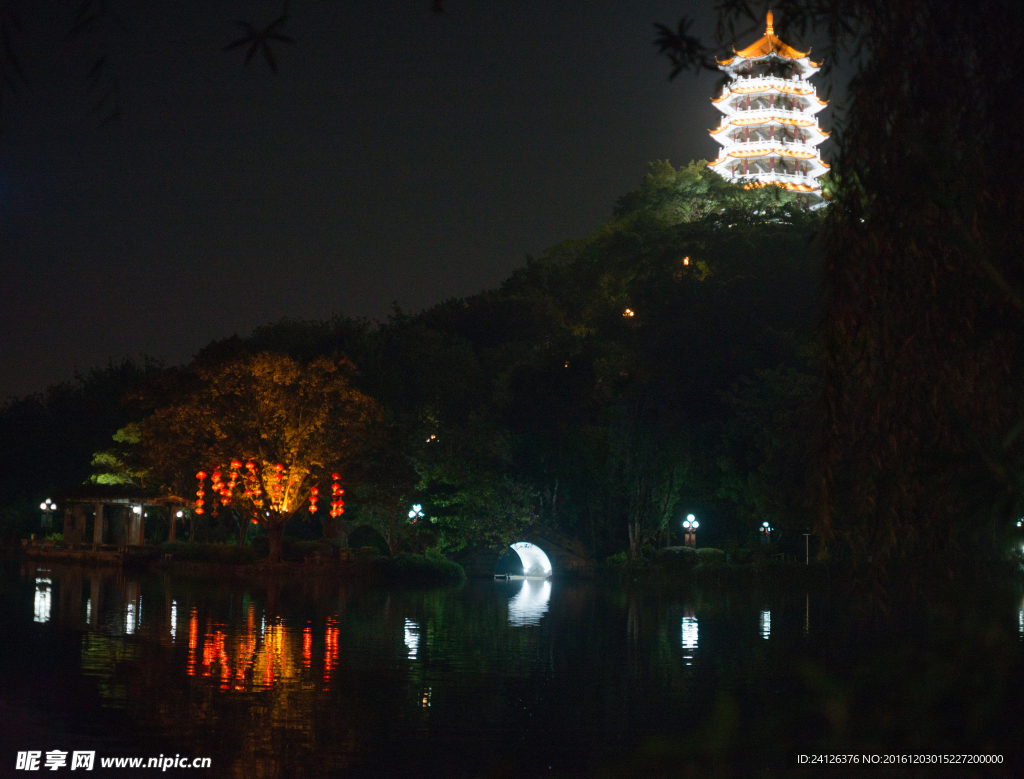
(677, 557)
(417, 569)
(711, 557)
(228, 554)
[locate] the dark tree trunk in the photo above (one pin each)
(275, 533)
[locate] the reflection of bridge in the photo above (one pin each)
(567, 555)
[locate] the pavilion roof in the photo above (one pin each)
(123, 494)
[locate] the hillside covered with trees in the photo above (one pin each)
(661, 366)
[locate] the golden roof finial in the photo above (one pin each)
(770, 30)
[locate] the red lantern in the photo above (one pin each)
(255, 522)
(201, 475)
(335, 476)
(314, 491)
(251, 466)
(279, 467)
(200, 502)
(216, 476)
(199, 510)
(235, 465)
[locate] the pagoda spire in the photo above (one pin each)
(769, 132)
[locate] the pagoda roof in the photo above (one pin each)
(769, 44)
(784, 184)
(749, 122)
(769, 88)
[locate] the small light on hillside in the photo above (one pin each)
(628, 312)
(686, 260)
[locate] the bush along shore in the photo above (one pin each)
(302, 556)
(710, 565)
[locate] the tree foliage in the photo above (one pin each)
(300, 420)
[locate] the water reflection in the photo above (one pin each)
(43, 605)
(261, 683)
(412, 638)
(689, 634)
(528, 605)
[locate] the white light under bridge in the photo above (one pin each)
(536, 564)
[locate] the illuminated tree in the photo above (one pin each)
(293, 425)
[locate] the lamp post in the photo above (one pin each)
(48, 507)
(766, 533)
(416, 513)
(690, 525)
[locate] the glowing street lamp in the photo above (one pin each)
(416, 513)
(48, 507)
(766, 533)
(690, 525)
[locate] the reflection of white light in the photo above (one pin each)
(1021, 617)
(174, 619)
(535, 562)
(412, 637)
(529, 604)
(88, 609)
(129, 619)
(43, 602)
(766, 624)
(689, 635)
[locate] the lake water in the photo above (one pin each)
(494, 679)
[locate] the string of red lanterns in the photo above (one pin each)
(252, 490)
(200, 492)
(336, 500)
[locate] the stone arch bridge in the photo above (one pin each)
(568, 556)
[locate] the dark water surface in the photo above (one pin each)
(495, 679)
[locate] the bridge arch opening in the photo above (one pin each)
(524, 560)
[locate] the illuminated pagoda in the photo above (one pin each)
(769, 131)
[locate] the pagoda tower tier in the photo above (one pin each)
(769, 132)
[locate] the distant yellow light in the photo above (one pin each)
(686, 260)
(628, 312)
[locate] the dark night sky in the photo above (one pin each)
(396, 156)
